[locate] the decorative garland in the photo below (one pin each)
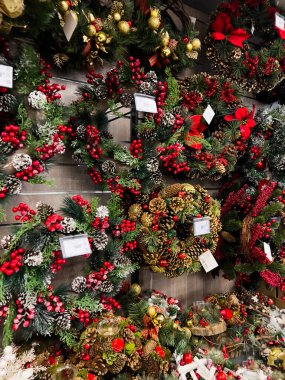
(252, 65)
(32, 257)
(31, 130)
(251, 216)
(166, 239)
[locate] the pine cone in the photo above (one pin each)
(37, 100)
(6, 241)
(78, 156)
(146, 219)
(33, 259)
(151, 366)
(156, 178)
(7, 102)
(152, 165)
(157, 205)
(5, 148)
(218, 135)
(167, 222)
(167, 120)
(147, 133)
(63, 321)
(126, 99)
(81, 132)
(100, 91)
(176, 204)
(68, 225)
(98, 366)
(134, 361)
(122, 261)
(108, 167)
(171, 191)
(105, 135)
(119, 363)
(135, 211)
(236, 53)
(128, 335)
(100, 240)
(78, 285)
(44, 210)
(13, 184)
(21, 161)
(106, 286)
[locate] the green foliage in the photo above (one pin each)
(68, 338)
(86, 302)
(137, 311)
(247, 268)
(7, 331)
(2, 215)
(173, 92)
(72, 209)
(277, 268)
(268, 211)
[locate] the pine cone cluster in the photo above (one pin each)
(100, 240)
(13, 185)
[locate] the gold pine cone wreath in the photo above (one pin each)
(167, 243)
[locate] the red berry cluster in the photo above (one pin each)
(228, 94)
(64, 130)
(94, 279)
(49, 150)
(136, 149)
(12, 135)
(117, 188)
(3, 192)
(50, 90)
(136, 71)
(129, 246)
(179, 120)
(160, 94)
(95, 175)
(92, 78)
(23, 316)
(170, 158)
(14, 264)
(53, 222)
(125, 226)
(83, 316)
(109, 303)
(30, 171)
(3, 312)
(26, 213)
(93, 140)
(211, 86)
(255, 152)
(100, 224)
(113, 84)
(191, 100)
(269, 66)
(57, 261)
(52, 303)
(82, 202)
(251, 63)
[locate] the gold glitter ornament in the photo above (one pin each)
(117, 16)
(101, 37)
(91, 30)
(63, 6)
(136, 289)
(165, 39)
(154, 20)
(151, 311)
(165, 52)
(196, 44)
(124, 27)
(189, 46)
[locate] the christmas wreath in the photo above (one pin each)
(167, 240)
(245, 45)
(106, 32)
(32, 257)
(251, 246)
(30, 129)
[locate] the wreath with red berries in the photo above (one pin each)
(30, 129)
(246, 44)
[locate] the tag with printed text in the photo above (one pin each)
(6, 76)
(279, 21)
(201, 226)
(145, 103)
(75, 245)
(208, 261)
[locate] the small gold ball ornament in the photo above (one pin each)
(196, 44)
(101, 37)
(64, 6)
(151, 311)
(165, 52)
(154, 23)
(124, 27)
(160, 318)
(189, 46)
(117, 16)
(91, 17)
(91, 30)
(154, 12)
(189, 323)
(165, 40)
(136, 289)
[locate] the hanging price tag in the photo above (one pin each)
(252, 29)
(267, 251)
(70, 24)
(201, 226)
(145, 103)
(193, 20)
(75, 245)
(208, 261)
(209, 114)
(279, 21)
(6, 76)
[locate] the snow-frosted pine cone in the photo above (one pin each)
(100, 91)
(78, 285)
(108, 167)
(100, 240)
(6, 241)
(68, 225)
(168, 119)
(44, 210)
(78, 156)
(5, 147)
(146, 88)
(126, 99)
(7, 101)
(102, 212)
(152, 164)
(151, 77)
(81, 131)
(37, 100)
(21, 161)
(63, 321)
(33, 259)
(156, 177)
(122, 261)
(13, 184)
(106, 286)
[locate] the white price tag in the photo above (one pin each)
(6, 76)
(267, 251)
(279, 21)
(208, 261)
(201, 226)
(70, 25)
(193, 20)
(145, 103)
(252, 29)
(209, 114)
(75, 245)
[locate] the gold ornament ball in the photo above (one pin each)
(124, 27)
(154, 23)
(151, 311)
(189, 46)
(160, 318)
(196, 44)
(63, 5)
(91, 17)
(189, 323)
(165, 40)
(101, 37)
(91, 30)
(136, 289)
(117, 16)
(165, 52)
(154, 12)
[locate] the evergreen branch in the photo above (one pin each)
(247, 268)
(8, 331)
(73, 210)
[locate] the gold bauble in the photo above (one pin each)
(189, 323)
(91, 30)
(151, 311)
(189, 46)
(64, 6)
(160, 318)
(117, 16)
(165, 40)
(165, 52)
(154, 23)
(101, 37)
(124, 27)
(196, 43)
(91, 17)
(154, 12)
(136, 289)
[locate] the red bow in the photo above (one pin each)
(222, 29)
(195, 132)
(246, 121)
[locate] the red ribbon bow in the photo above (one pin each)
(222, 29)
(196, 130)
(246, 121)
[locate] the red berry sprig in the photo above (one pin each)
(53, 222)
(82, 202)
(136, 149)
(49, 150)
(137, 74)
(14, 263)
(170, 158)
(124, 227)
(31, 171)
(23, 317)
(109, 303)
(57, 261)
(95, 175)
(95, 279)
(26, 213)
(179, 121)
(12, 135)
(160, 94)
